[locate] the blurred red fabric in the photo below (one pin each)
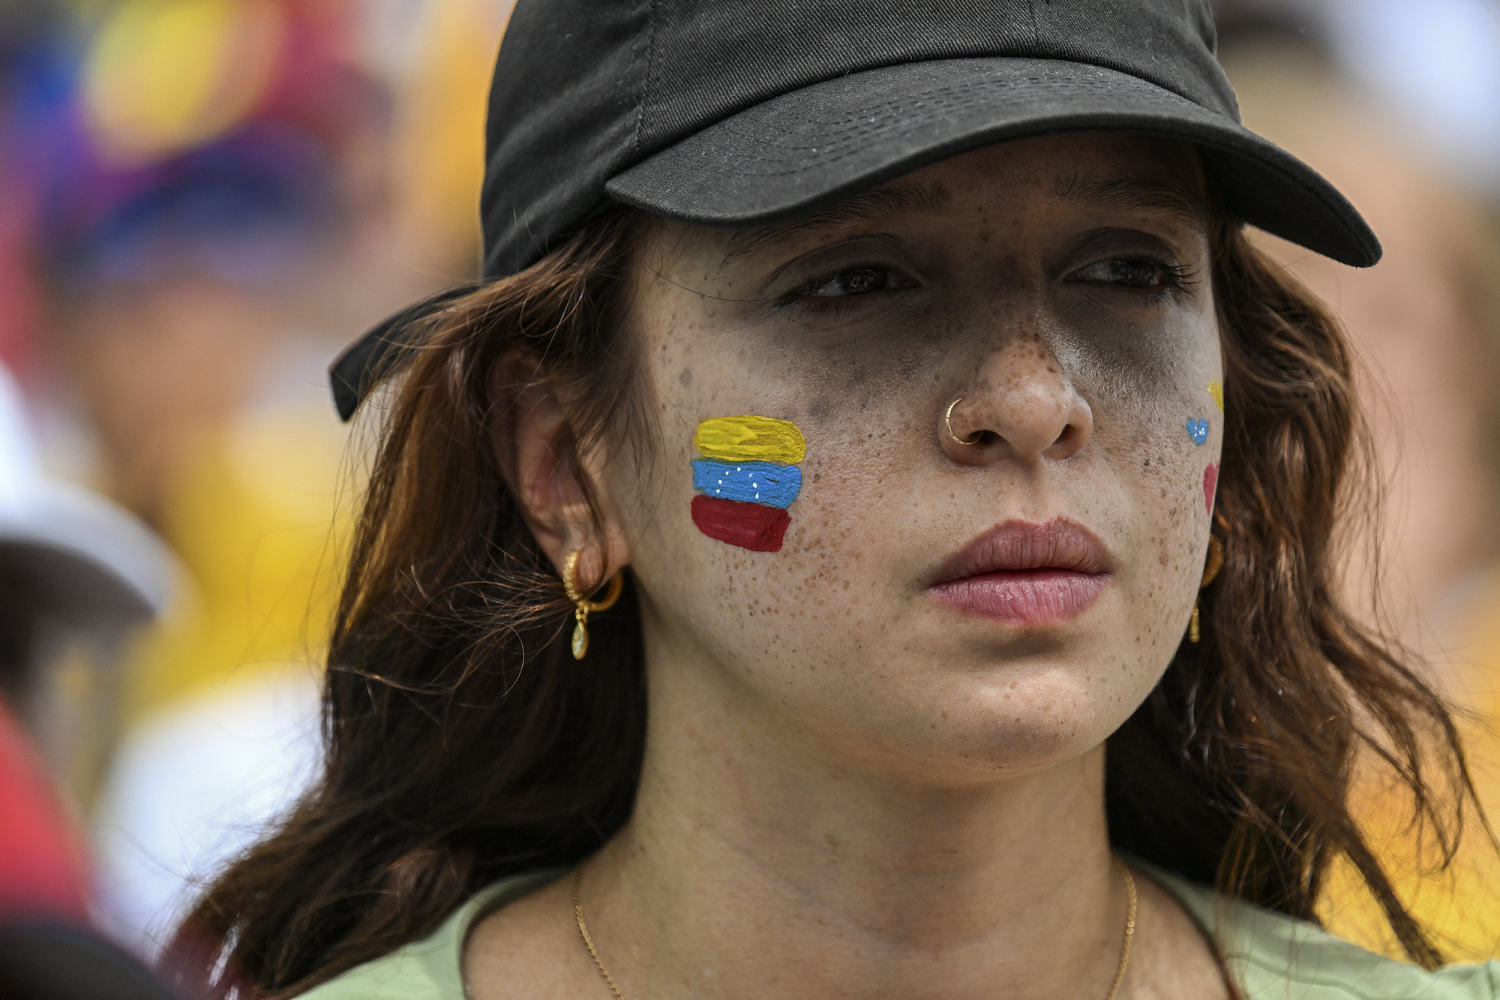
(42, 868)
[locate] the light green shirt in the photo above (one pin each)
(1273, 956)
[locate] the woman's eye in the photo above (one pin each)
(1145, 273)
(852, 281)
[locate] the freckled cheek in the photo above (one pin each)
(822, 582)
(1171, 516)
(794, 613)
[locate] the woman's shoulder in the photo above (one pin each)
(429, 969)
(1274, 955)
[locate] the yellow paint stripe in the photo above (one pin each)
(750, 439)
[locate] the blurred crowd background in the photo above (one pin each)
(202, 201)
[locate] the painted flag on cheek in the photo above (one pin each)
(747, 478)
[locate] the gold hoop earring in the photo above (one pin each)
(582, 607)
(973, 439)
(1211, 567)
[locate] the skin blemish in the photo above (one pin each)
(685, 377)
(1197, 428)
(746, 479)
(1216, 390)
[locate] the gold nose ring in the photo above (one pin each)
(972, 439)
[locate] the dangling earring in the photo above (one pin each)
(583, 607)
(1211, 567)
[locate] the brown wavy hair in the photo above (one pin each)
(463, 744)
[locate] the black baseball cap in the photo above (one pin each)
(733, 112)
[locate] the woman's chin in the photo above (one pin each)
(1020, 726)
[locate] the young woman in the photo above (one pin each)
(871, 535)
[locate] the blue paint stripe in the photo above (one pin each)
(748, 482)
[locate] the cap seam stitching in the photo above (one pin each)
(966, 97)
(640, 111)
(970, 94)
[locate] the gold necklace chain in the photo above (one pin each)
(1114, 989)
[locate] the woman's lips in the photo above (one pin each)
(1024, 597)
(1023, 573)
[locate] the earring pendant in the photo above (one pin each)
(582, 606)
(581, 634)
(1211, 567)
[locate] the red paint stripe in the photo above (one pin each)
(1210, 483)
(750, 526)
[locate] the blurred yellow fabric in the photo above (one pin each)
(165, 77)
(1460, 906)
(257, 521)
(440, 128)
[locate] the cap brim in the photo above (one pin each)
(800, 148)
(382, 349)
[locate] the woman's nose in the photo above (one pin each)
(1021, 404)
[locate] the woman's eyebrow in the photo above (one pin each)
(889, 199)
(1152, 193)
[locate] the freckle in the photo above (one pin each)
(685, 379)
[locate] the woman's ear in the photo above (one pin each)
(556, 479)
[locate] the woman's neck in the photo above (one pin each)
(755, 868)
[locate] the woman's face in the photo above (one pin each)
(946, 609)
